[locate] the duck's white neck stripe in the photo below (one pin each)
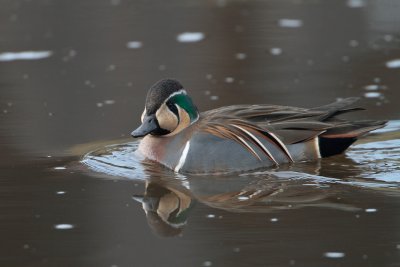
(182, 159)
(180, 92)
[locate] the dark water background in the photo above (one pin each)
(88, 89)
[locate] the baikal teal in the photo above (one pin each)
(240, 137)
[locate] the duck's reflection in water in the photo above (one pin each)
(168, 198)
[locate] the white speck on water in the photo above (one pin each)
(388, 38)
(162, 67)
(134, 44)
(377, 80)
(109, 102)
(353, 43)
(72, 53)
(60, 168)
(370, 210)
(236, 250)
(375, 46)
(355, 3)
(345, 58)
(274, 219)
(365, 256)
(64, 226)
(50, 114)
(221, 3)
(48, 156)
(371, 87)
(207, 263)
(210, 216)
(111, 67)
(61, 192)
(392, 64)
(398, 246)
(292, 262)
(24, 55)
(99, 105)
(5, 111)
(214, 97)
(243, 198)
(115, 2)
(25, 76)
(229, 79)
(190, 37)
(290, 23)
(372, 95)
(209, 76)
(207, 92)
(10, 104)
(26, 246)
(276, 51)
(240, 56)
(334, 255)
(14, 17)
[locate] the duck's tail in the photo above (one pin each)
(338, 139)
(343, 133)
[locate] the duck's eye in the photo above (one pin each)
(173, 108)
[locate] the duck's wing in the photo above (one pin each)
(253, 125)
(267, 114)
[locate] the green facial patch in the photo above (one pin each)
(185, 102)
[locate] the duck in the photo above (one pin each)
(240, 138)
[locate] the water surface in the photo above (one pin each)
(73, 78)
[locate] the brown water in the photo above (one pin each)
(82, 90)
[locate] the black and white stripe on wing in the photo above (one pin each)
(224, 132)
(280, 144)
(256, 141)
(275, 140)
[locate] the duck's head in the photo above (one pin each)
(168, 110)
